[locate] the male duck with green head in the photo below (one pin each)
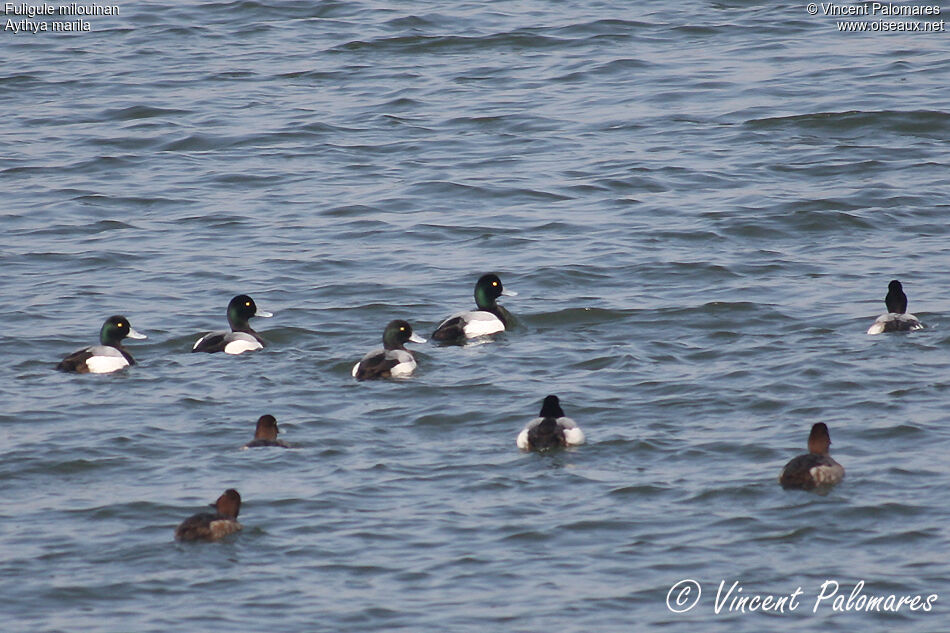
(490, 317)
(241, 338)
(108, 357)
(393, 360)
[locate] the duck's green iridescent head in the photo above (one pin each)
(115, 329)
(398, 333)
(240, 309)
(487, 289)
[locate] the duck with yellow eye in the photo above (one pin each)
(107, 357)
(393, 360)
(241, 338)
(490, 318)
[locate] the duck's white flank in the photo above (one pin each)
(106, 360)
(480, 323)
(827, 474)
(244, 343)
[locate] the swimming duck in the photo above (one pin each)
(488, 319)
(206, 526)
(266, 433)
(241, 338)
(393, 360)
(552, 429)
(815, 469)
(107, 357)
(896, 319)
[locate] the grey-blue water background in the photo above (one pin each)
(699, 203)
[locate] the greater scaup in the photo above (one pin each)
(488, 319)
(393, 360)
(815, 469)
(266, 434)
(241, 338)
(896, 319)
(206, 526)
(552, 429)
(107, 357)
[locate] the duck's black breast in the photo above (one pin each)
(126, 354)
(503, 315)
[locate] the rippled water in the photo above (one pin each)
(700, 205)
